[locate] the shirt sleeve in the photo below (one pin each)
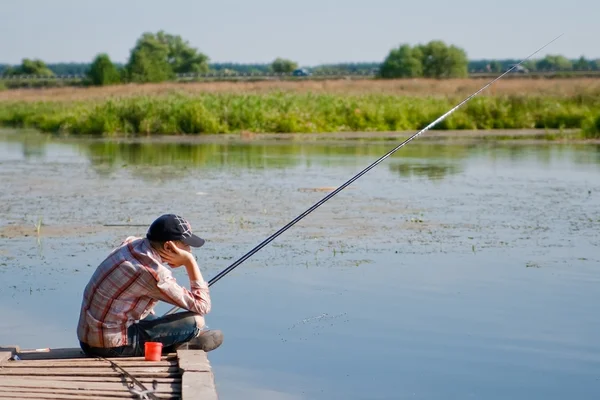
(196, 299)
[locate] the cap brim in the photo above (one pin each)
(193, 241)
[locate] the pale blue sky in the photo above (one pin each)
(309, 31)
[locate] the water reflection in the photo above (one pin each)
(187, 154)
(108, 156)
(432, 172)
(434, 161)
(156, 160)
(33, 149)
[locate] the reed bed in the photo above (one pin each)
(295, 107)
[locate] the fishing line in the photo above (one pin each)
(361, 173)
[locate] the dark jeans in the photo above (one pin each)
(171, 330)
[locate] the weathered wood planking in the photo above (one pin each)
(54, 354)
(89, 393)
(52, 374)
(97, 363)
(113, 379)
(56, 397)
(83, 372)
(49, 383)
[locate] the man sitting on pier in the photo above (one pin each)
(117, 315)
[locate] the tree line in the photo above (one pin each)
(436, 59)
(160, 56)
(156, 57)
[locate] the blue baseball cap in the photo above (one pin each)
(173, 227)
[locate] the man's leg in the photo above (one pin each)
(176, 330)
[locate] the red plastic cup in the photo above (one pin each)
(153, 351)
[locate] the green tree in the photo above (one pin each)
(554, 63)
(148, 61)
(402, 62)
(103, 72)
(495, 66)
(158, 57)
(531, 65)
(582, 64)
(442, 61)
(148, 65)
(182, 57)
(30, 67)
(282, 65)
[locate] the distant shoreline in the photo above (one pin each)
(309, 108)
(418, 87)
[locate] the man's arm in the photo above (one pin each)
(196, 299)
(193, 270)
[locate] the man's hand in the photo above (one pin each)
(175, 256)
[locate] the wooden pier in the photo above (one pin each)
(52, 374)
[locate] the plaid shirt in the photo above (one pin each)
(126, 287)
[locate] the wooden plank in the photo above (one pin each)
(193, 361)
(49, 383)
(11, 349)
(82, 372)
(5, 370)
(67, 353)
(197, 381)
(50, 396)
(90, 394)
(40, 391)
(95, 364)
(198, 385)
(59, 353)
(58, 394)
(125, 393)
(164, 357)
(47, 358)
(111, 379)
(5, 356)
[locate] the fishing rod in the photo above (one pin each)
(361, 173)
(144, 393)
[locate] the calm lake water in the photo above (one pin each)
(450, 271)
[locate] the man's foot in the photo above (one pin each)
(207, 340)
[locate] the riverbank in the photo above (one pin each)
(176, 114)
(304, 108)
(400, 87)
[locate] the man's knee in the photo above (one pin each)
(200, 322)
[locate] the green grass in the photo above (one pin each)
(299, 112)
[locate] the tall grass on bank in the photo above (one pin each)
(399, 87)
(298, 112)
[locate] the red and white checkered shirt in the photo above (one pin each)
(125, 288)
